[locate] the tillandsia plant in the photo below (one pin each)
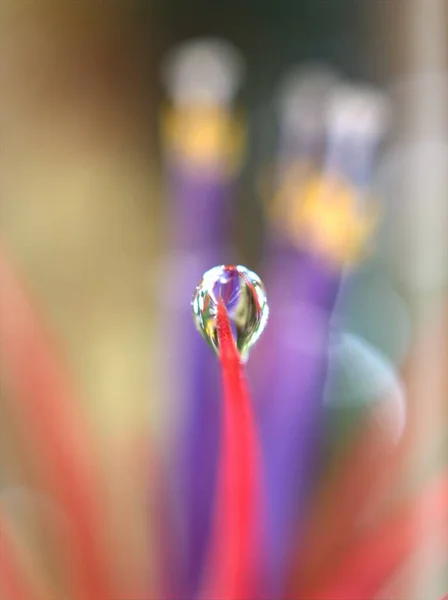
(253, 495)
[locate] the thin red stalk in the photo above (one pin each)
(343, 497)
(52, 428)
(237, 516)
(426, 566)
(371, 561)
(14, 585)
(351, 492)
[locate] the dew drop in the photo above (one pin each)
(244, 297)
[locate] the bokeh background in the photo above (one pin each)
(85, 220)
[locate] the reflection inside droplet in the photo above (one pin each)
(244, 297)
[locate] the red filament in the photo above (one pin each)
(51, 425)
(235, 533)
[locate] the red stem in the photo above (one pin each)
(343, 496)
(235, 530)
(57, 438)
(13, 583)
(370, 562)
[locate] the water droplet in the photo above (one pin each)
(244, 296)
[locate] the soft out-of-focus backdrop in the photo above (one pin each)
(87, 223)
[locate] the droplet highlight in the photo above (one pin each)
(244, 297)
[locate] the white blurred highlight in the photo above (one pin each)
(413, 182)
(361, 376)
(204, 71)
(357, 110)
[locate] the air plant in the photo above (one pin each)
(250, 497)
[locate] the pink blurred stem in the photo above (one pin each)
(51, 426)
